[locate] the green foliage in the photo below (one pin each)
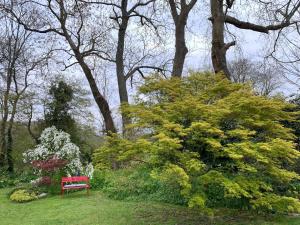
(136, 184)
(98, 180)
(203, 131)
(295, 124)
(22, 195)
(58, 109)
(276, 203)
(55, 187)
(8, 180)
(21, 142)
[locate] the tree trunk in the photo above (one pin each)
(123, 94)
(4, 121)
(33, 136)
(9, 144)
(180, 48)
(2, 146)
(219, 48)
(2, 143)
(9, 158)
(180, 19)
(99, 98)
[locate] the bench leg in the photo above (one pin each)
(88, 191)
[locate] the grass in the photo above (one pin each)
(96, 209)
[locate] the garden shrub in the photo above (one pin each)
(6, 181)
(218, 141)
(9, 180)
(216, 197)
(276, 204)
(22, 195)
(135, 184)
(55, 185)
(54, 149)
(98, 179)
(26, 176)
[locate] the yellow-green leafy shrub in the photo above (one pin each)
(219, 141)
(23, 196)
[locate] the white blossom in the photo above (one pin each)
(56, 143)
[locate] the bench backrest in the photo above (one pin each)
(75, 179)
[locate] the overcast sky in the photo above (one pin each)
(250, 45)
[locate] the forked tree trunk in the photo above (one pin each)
(219, 48)
(99, 98)
(180, 13)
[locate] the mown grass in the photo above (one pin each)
(96, 209)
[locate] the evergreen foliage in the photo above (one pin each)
(58, 110)
(222, 144)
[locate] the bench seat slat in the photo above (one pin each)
(75, 185)
(76, 188)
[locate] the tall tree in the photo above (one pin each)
(69, 20)
(18, 64)
(282, 15)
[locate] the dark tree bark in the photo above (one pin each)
(9, 145)
(10, 161)
(18, 93)
(121, 76)
(180, 48)
(119, 60)
(33, 136)
(219, 48)
(99, 98)
(219, 16)
(4, 121)
(180, 21)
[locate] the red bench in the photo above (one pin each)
(81, 182)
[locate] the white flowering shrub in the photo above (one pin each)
(56, 144)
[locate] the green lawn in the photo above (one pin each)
(96, 209)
